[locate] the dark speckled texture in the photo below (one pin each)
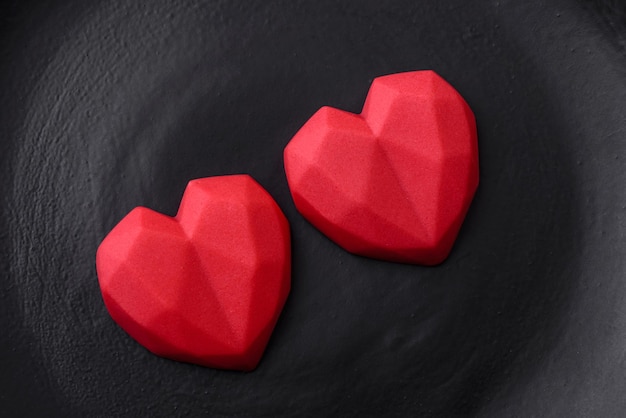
(110, 105)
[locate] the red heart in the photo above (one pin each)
(207, 286)
(394, 182)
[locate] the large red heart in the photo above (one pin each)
(394, 182)
(207, 286)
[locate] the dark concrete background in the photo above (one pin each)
(110, 105)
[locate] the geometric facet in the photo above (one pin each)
(395, 181)
(206, 286)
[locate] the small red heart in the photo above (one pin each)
(207, 286)
(394, 182)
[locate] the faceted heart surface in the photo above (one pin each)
(207, 286)
(394, 182)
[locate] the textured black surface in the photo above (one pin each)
(108, 106)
